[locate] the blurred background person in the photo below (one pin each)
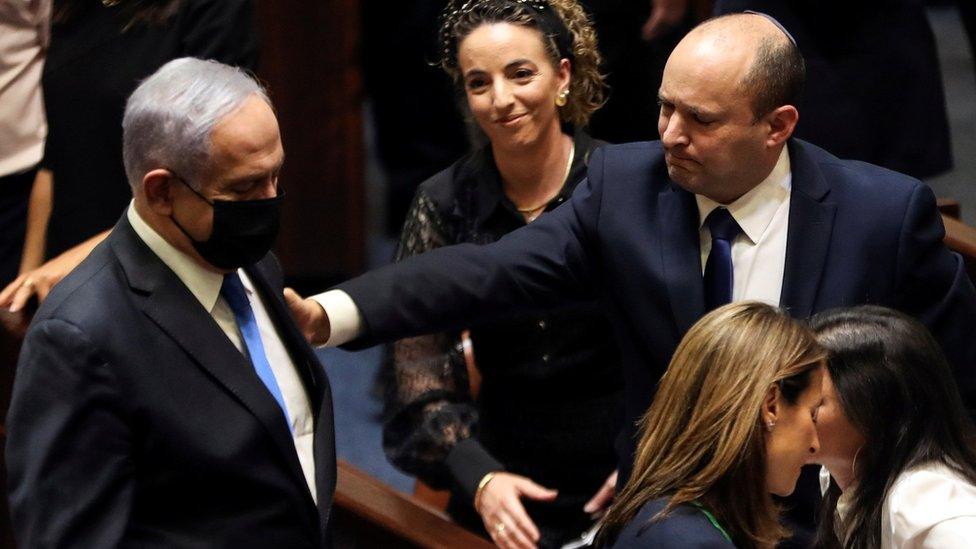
(636, 38)
(874, 87)
(24, 28)
(98, 54)
(733, 421)
(418, 129)
(896, 442)
(550, 382)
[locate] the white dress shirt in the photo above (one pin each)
(345, 320)
(928, 507)
(205, 286)
(758, 253)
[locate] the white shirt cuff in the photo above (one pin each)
(345, 320)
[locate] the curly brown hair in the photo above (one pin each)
(586, 86)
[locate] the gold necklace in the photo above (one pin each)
(110, 3)
(537, 210)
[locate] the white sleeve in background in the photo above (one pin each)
(959, 532)
(345, 320)
(930, 507)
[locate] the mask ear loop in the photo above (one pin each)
(172, 217)
(179, 178)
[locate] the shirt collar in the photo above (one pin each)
(483, 177)
(754, 210)
(203, 284)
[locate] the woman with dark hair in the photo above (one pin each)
(99, 52)
(897, 444)
(526, 455)
(733, 421)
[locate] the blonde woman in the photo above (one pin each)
(733, 422)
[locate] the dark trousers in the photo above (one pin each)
(15, 192)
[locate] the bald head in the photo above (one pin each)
(767, 63)
(728, 98)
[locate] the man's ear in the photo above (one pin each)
(157, 186)
(782, 121)
(770, 407)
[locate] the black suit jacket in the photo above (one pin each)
(136, 422)
(857, 234)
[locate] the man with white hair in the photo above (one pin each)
(164, 397)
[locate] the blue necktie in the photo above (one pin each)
(718, 267)
(233, 292)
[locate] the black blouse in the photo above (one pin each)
(549, 403)
(96, 59)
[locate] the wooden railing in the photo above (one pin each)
(368, 513)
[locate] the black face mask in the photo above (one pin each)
(243, 230)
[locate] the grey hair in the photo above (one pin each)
(169, 118)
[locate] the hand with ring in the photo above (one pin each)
(500, 506)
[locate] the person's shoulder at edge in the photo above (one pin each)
(634, 151)
(626, 162)
(927, 495)
(855, 174)
(71, 297)
(685, 527)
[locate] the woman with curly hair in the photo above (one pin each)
(526, 457)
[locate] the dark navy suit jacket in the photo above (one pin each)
(684, 528)
(857, 234)
(135, 422)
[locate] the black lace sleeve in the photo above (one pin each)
(430, 400)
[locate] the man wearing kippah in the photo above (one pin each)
(727, 206)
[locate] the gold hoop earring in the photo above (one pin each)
(854, 462)
(562, 98)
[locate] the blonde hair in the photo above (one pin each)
(586, 85)
(702, 438)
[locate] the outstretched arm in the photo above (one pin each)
(547, 263)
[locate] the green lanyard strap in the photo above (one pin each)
(713, 520)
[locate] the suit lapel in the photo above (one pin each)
(678, 218)
(313, 378)
(171, 306)
(301, 354)
(808, 236)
